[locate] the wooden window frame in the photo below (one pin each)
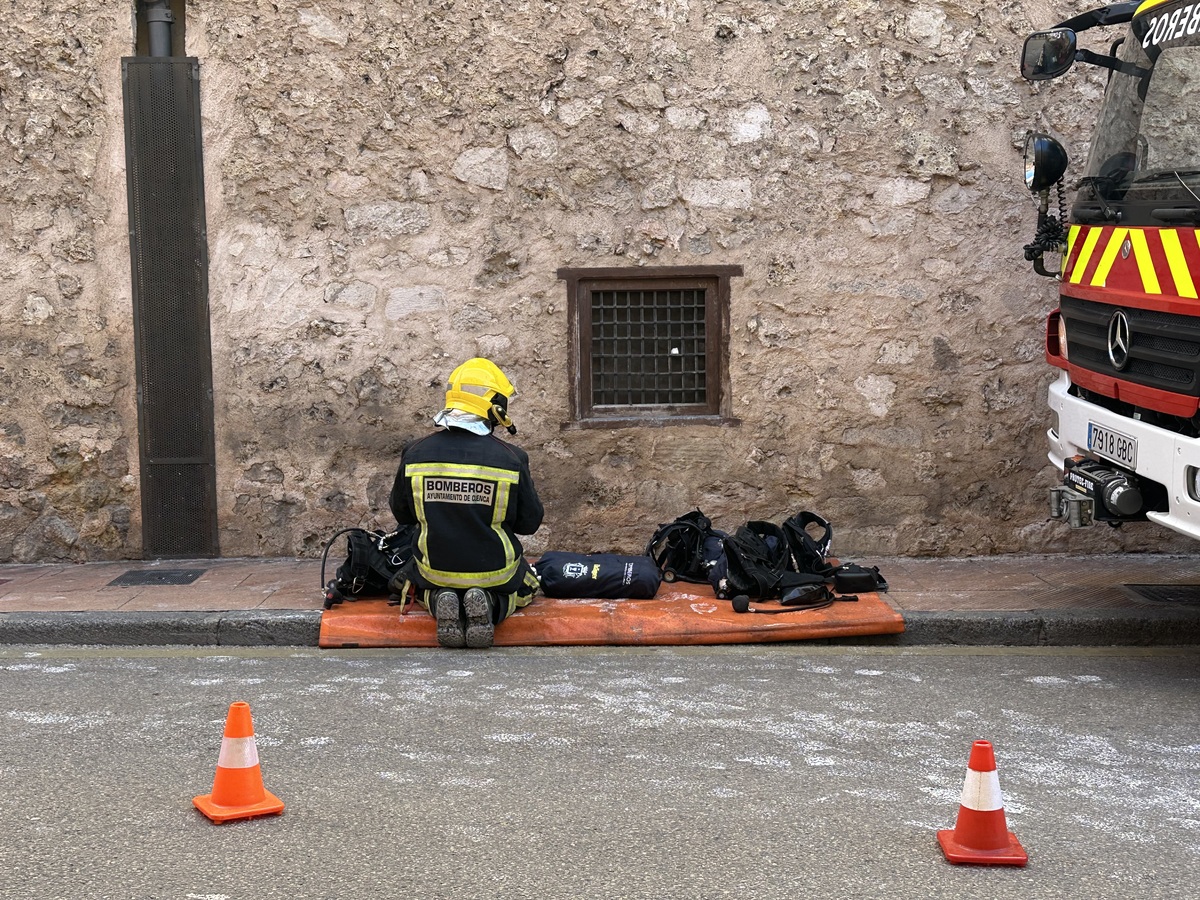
(714, 279)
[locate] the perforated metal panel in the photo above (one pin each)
(168, 250)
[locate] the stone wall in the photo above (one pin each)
(392, 186)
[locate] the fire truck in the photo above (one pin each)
(1125, 408)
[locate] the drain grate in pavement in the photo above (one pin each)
(143, 577)
(1168, 593)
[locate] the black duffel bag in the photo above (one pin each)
(602, 575)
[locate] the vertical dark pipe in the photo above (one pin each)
(158, 22)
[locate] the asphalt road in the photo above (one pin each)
(750, 772)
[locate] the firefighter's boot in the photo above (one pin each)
(446, 608)
(480, 632)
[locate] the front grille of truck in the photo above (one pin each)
(1164, 351)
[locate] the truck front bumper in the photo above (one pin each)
(1164, 457)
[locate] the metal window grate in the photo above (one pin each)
(648, 343)
(649, 347)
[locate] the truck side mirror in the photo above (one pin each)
(1047, 54)
(1045, 161)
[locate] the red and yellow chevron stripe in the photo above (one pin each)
(1156, 262)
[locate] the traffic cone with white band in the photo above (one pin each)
(238, 791)
(981, 833)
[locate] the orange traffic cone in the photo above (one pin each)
(981, 833)
(238, 791)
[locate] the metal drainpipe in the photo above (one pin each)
(158, 21)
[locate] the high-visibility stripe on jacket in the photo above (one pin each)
(470, 495)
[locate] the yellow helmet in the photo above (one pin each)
(478, 386)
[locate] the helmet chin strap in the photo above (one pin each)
(501, 418)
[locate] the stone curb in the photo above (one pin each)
(301, 628)
(241, 628)
(1046, 628)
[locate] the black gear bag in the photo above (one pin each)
(758, 563)
(600, 575)
(687, 548)
(372, 559)
(810, 553)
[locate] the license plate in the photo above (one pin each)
(1112, 445)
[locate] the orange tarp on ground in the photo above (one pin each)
(679, 614)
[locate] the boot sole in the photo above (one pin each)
(449, 620)
(481, 632)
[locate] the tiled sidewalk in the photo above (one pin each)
(1001, 583)
(1040, 582)
(225, 584)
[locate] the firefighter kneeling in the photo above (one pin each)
(470, 494)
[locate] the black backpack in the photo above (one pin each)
(758, 563)
(372, 559)
(687, 548)
(810, 553)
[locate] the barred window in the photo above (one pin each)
(649, 342)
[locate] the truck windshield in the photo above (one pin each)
(1146, 147)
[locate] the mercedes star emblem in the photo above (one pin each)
(1119, 340)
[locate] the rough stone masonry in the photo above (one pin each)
(391, 187)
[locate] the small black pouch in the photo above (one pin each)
(852, 578)
(808, 596)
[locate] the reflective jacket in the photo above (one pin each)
(471, 495)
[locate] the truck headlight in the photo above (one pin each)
(1056, 336)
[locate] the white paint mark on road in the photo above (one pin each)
(41, 667)
(35, 718)
(767, 762)
(724, 793)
